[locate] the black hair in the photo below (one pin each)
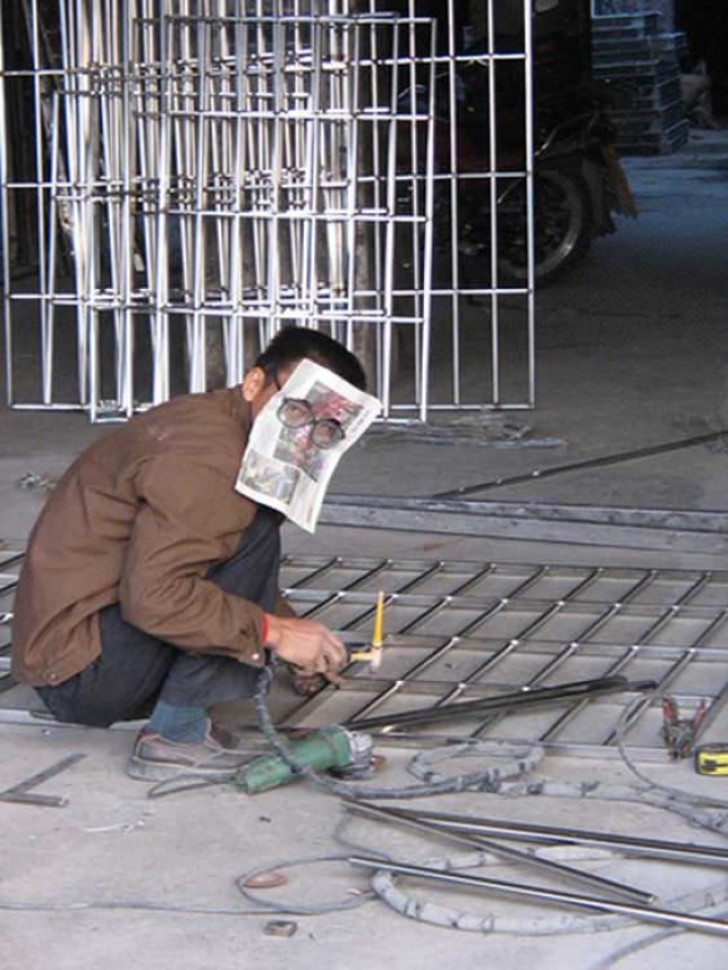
(292, 344)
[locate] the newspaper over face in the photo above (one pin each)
(298, 438)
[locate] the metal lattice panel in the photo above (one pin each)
(460, 630)
(10, 560)
(457, 631)
(203, 173)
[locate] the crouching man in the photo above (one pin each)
(150, 584)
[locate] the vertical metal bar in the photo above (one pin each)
(4, 229)
(46, 323)
(429, 209)
(128, 215)
(235, 347)
(390, 224)
(158, 159)
(201, 127)
(454, 186)
(493, 188)
(48, 283)
(529, 110)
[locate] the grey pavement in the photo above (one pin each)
(631, 354)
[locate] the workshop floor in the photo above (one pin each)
(631, 354)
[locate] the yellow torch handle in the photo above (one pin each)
(378, 634)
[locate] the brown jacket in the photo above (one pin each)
(138, 519)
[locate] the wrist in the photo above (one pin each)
(270, 630)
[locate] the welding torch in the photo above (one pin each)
(359, 650)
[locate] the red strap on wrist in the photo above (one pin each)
(264, 629)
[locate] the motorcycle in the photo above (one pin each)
(578, 184)
(578, 180)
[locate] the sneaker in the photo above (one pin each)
(155, 758)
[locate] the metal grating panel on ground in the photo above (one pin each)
(460, 630)
(10, 560)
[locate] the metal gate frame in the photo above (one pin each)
(173, 139)
(462, 630)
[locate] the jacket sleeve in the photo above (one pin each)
(189, 519)
(283, 607)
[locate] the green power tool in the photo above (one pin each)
(331, 748)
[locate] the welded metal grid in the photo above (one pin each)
(461, 630)
(218, 176)
(199, 179)
(10, 561)
(457, 631)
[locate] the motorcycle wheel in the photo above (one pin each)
(561, 228)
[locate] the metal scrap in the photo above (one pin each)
(21, 792)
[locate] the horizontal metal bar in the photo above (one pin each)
(587, 463)
(523, 831)
(507, 852)
(667, 518)
(532, 697)
(519, 523)
(646, 913)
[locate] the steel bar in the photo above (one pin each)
(548, 834)
(603, 461)
(645, 529)
(548, 866)
(521, 699)
(22, 791)
(519, 890)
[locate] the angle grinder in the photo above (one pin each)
(333, 748)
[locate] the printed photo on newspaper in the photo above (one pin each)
(298, 439)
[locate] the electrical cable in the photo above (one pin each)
(627, 951)
(132, 904)
(524, 757)
(666, 797)
(668, 789)
(383, 883)
(183, 782)
(300, 909)
(489, 780)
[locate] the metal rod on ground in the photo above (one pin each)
(646, 913)
(530, 698)
(515, 855)
(522, 831)
(21, 791)
(540, 473)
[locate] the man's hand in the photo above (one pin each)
(307, 644)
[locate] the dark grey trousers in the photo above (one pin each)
(135, 670)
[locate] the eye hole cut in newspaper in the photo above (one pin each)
(298, 438)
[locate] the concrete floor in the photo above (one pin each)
(631, 353)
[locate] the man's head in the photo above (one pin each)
(308, 406)
(287, 349)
